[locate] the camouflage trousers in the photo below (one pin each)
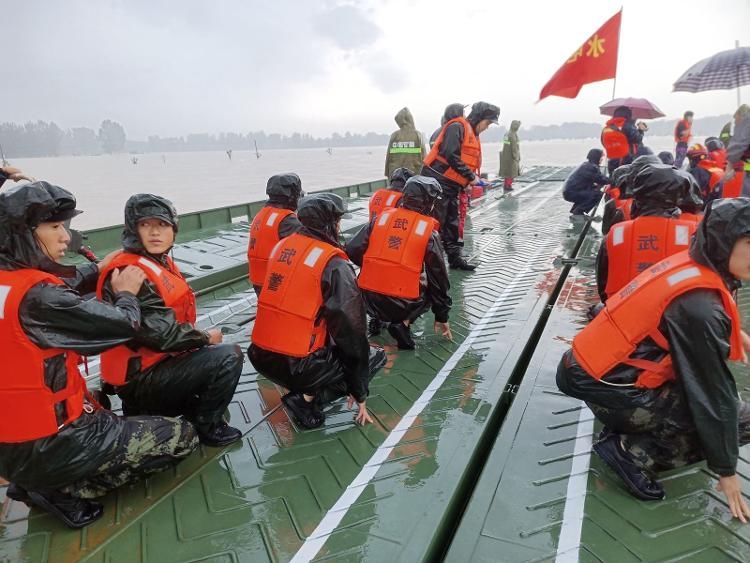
(148, 444)
(663, 436)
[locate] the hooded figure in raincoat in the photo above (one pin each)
(171, 367)
(510, 156)
(406, 148)
(310, 334)
(668, 398)
(58, 447)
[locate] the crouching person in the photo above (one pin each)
(170, 368)
(403, 273)
(58, 447)
(653, 364)
(310, 334)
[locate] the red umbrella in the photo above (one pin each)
(641, 108)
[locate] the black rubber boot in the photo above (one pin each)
(18, 493)
(306, 414)
(73, 512)
(638, 483)
(336, 390)
(219, 435)
(402, 334)
(460, 263)
(373, 327)
(376, 361)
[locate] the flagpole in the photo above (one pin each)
(617, 61)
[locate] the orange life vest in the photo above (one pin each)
(264, 234)
(713, 169)
(471, 152)
(626, 205)
(692, 218)
(614, 141)
(612, 192)
(635, 313)
(686, 133)
(288, 320)
(636, 245)
(177, 295)
(733, 188)
(29, 409)
(393, 262)
(383, 199)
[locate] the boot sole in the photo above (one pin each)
(43, 503)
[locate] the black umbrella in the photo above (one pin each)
(723, 71)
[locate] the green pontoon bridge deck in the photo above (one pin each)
(474, 454)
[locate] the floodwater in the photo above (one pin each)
(202, 180)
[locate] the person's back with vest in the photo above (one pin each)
(403, 272)
(386, 198)
(655, 231)
(277, 220)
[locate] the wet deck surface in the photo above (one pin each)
(395, 490)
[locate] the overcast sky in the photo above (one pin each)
(176, 67)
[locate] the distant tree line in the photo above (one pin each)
(48, 139)
(39, 138)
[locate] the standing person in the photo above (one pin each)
(682, 135)
(455, 160)
(310, 334)
(58, 447)
(403, 272)
(406, 147)
(738, 152)
(660, 382)
(452, 111)
(170, 368)
(277, 220)
(583, 187)
(621, 138)
(510, 157)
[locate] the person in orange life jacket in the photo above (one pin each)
(738, 151)
(58, 447)
(717, 152)
(706, 173)
(659, 420)
(403, 273)
(583, 187)
(387, 198)
(621, 138)
(310, 334)
(657, 191)
(454, 161)
(277, 220)
(171, 367)
(625, 201)
(682, 135)
(614, 195)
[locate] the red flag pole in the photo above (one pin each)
(617, 62)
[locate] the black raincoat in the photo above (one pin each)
(170, 387)
(56, 316)
(698, 331)
(582, 187)
(347, 355)
(658, 191)
(434, 284)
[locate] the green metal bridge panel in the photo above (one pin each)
(517, 510)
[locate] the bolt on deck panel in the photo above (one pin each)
(260, 499)
(527, 505)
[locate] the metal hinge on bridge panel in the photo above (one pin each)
(569, 261)
(511, 389)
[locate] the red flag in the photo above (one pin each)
(593, 61)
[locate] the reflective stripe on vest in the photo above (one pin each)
(471, 152)
(383, 199)
(633, 246)
(264, 234)
(176, 294)
(29, 409)
(405, 150)
(289, 304)
(392, 264)
(635, 313)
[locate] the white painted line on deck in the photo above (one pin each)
(335, 514)
(569, 544)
